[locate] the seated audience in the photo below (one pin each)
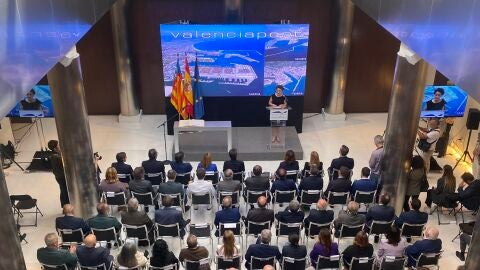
(134, 217)
(228, 184)
(90, 255)
(465, 238)
(292, 213)
(282, 183)
(179, 166)
(414, 180)
(340, 184)
(364, 184)
(112, 184)
(168, 215)
(380, 212)
(393, 245)
(161, 255)
(441, 194)
(52, 254)
(69, 221)
(153, 166)
(349, 217)
(289, 163)
(314, 160)
(233, 164)
(260, 214)
(469, 192)
(320, 215)
(140, 185)
(227, 214)
(103, 221)
(170, 186)
(312, 182)
(324, 247)
(122, 167)
(257, 182)
(361, 248)
(293, 249)
(130, 257)
(413, 216)
(228, 250)
(206, 163)
(342, 161)
(430, 244)
(262, 250)
(201, 186)
(194, 252)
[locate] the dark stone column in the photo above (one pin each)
(473, 254)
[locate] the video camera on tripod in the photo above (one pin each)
(7, 154)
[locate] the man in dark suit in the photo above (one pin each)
(340, 184)
(89, 255)
(169, 215)
(228, 184)
(364, 184)
(257, 182)
(381, 212)
(260, 214)
(134, 217)
(153, 166)
(57, 169)
(320, 215)
(179, 166)
(122, 167)
(469, 191)
(343, 160)
(52, 254)
(293, 249)
(69, 221)
(227, 214)
(349, 217)
(292, 213)
(170, 186)
(282, 183)
(414, 216)
(262, 250)
(233, 164)
(140, 185)
(430, 244)
(103, 220)
(312, 182)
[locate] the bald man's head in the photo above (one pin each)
(90, 240)
(431, 233)
(268, 267)
(262, 201)
(227, 202)
(68, 209)
(322, 204)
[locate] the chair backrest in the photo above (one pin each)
(239, 176)
(54, 267)
(332, 262)
(108, 235)
(314, 228)
(140, 232)
(259, 263)
(412, 230)
(257, 227)
(236, 228)
(200, 198)
(234, 195)
(212, 176)
(177, 198)
(284, 196)
(113, 198)
(427, 259)
(350, 231)
(393, 263)
(183, 178)
(365, 197)
(252, 196)
(227, 263)
(166, 267)
(201, 230)
(285, 229)
(194, 265)
(332, 174)
(292, 174)
(155, 178)
(143, 198)
(293, 264)
(338, 198)
(124, 178)
(363, 263)
(98, 267)
(380, 227)
(307, 197)
(71, 236)
(170, 230)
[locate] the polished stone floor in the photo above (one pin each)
(110, 137)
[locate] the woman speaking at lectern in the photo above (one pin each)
(279, 101)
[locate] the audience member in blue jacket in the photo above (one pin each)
(262, 249)
(380, 212)
(365, 183)
(414, 216)
(312, 182)
(227, 214)
(207, 164)
(168, 215)
(69, 221)
(430, 244)
(282, 183)
(179, 166)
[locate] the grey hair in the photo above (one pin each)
(266, 236)
(133, 204)
(51, 239)
(228, 174)
(294, 205)
(353, 207)
(378, 139)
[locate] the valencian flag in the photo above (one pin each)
(176, 98)
(199, 109)
(187, 91)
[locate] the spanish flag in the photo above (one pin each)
(187, 91)
(177, 96)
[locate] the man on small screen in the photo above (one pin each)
(31, 103)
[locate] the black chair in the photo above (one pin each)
(54, 267)
(227, 263)
(139, 232)
(155, 178)
(144, 199)
(124, 178)
(200, 199)
(114, 199)
(338, 198)
(183, 178)
(178, 200)
(333, 173)
(462, 210)
(195, 265)
(392, 263)
(283, 197)
(364, 263)
(255, 228)
(234, 195)
(379, 228)
(412, 230)
(349, 231)
(332, 262)
(313, 229)
(428, 259)
(108, 235)
(293, 174)
(293, 264)
(309, 197)
(202, 231)
(20, 203)
(212, 176)
(71, 236)
(285, 229)
(365, 197)
(102, 266)
(440, 209)
(240, 176)
(259, 263)
(252, 196)
(170, 230)
(167, 267)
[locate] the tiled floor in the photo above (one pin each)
(110, 137)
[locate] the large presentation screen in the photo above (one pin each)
(240, 59)
(37, 103)
(444, 101)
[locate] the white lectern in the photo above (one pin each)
(278, 121)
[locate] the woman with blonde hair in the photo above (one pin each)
(111, 182)
(228, 249)
(314, 159)
(207, 164)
